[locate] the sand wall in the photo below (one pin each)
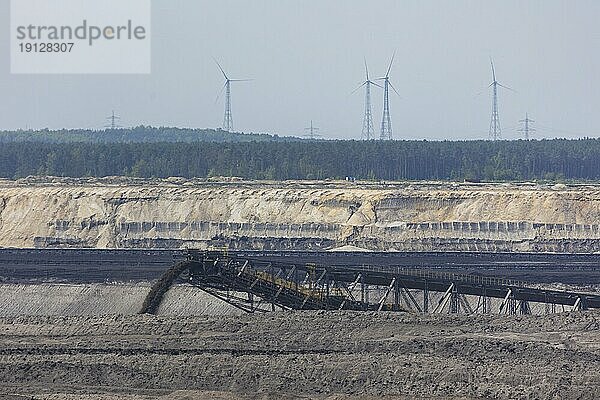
(299, 215)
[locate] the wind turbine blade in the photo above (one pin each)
(361, 85)
(390, 67)
(223, 72)
(366, 68)
(493, 70)
(220, 92)
(506, 87)
(375, 84)
(390, 83)
(240, 80)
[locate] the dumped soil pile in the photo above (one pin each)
(176, 213)
(302, 355)
(104, 299)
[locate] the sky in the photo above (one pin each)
(306, 57)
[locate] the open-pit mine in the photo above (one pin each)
(119, 288)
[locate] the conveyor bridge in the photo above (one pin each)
(255, 284)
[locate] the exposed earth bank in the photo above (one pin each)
(178, 213)
(104, 299)
(285, 355)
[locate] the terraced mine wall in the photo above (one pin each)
(175, 213)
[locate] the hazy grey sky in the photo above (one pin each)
(306, 57)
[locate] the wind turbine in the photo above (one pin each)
(228, 118)
(386, 121)
(367, 130)
(495, 130)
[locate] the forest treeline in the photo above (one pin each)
(392, 160)
(139, 134)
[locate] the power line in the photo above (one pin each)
(526, 128)
(312, 131)
(554, 131)
(113, 121)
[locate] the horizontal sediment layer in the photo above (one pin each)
(175, 213)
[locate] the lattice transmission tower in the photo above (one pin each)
(113, 121)
(312, 132)
(527, 129)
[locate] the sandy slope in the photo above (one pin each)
(119, 212)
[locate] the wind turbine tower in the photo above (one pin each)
(368, 132)
(495, 130)
(386, 121)
(228, 118)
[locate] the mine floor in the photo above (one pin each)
(299, 355)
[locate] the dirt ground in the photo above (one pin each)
(299, 355)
